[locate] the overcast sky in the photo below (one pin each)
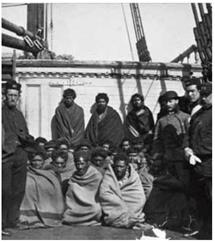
(91, 31)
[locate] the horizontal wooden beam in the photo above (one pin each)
(12, 42)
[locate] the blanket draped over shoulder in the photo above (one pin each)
(122, 206)
(64, 173)
(68, 123)
(139, 125)
(67, 172)
(109, 128)
(82, 206)
(147, 181)
(43, 203)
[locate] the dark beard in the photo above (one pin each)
(100, 109)
(137, 108)
(68, 105)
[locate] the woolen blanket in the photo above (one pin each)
(43, 202)
(82, 206)
(68, 123)
(122, 206)
(110, 128)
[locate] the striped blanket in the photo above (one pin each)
(43, 202)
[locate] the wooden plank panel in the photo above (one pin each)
(33, 109)
(41, 96)
(54, 96)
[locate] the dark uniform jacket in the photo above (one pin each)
(15, 131)
(200, 138)
(169, 135)
(200, 132)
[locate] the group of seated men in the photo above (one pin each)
(85, 186)
(124, 175)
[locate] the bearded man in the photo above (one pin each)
(104, 124)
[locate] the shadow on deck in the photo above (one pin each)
(83, 233)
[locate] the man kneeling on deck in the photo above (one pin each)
(121, 194)
(82, 206)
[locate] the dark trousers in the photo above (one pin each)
(201, 191)
(181, 171)
(13, 187)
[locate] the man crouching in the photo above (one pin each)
(82, 206)
(121, 194)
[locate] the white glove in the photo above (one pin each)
(188, 152)
(194, 159)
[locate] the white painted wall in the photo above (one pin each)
(40, 97)
(42, 90)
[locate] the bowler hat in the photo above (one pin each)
(171, 95)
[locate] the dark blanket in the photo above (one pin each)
(109, 128)
(68, 123)
(138, 125)
(167, 205)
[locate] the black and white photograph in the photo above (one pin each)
(106, 120)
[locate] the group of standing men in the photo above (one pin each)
(182, 139)
(105, 123)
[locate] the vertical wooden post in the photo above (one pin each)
(35, 17)
(14, 65)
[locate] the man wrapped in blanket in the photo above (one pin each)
(121, 194)
(82, 205)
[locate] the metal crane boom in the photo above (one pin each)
(141, 45)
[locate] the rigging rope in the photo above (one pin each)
(51, 26)
(127, 31)
(13, 5)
